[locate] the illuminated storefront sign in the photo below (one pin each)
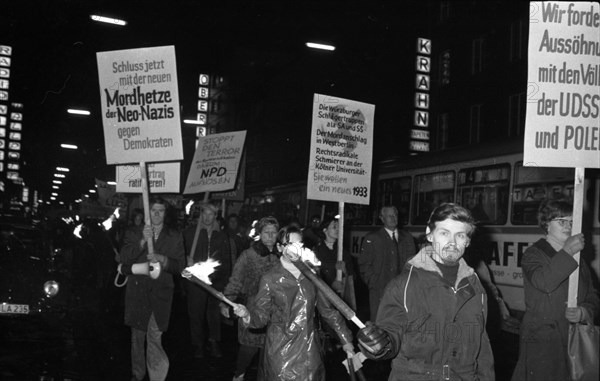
(419, 135)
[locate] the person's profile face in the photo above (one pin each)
(449, 240)
(389, 217)
(332, 230)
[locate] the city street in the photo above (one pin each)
(94, 345)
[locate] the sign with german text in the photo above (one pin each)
(341, 150)
(563, 90)
(216, 162)
(162, 178)
(140, 105)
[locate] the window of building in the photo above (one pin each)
(444, 11)
(477, 61)
(518, 41)
(534, 184)
(485, 191)
(396, 192)
(475, 124)
(516, 114)
(444, 61)
(442, 131)
(430, 191)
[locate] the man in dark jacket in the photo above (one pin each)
(147, 300)
(383, 255)
(203, 308)
(431, 320)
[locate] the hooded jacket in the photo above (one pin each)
(437, 331)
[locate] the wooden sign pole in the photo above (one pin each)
(340, 242)
(146, 201)
(578, 195)
(197, 232)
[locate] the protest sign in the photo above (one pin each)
(140, 105)
(563, 90)
(108, 196)
(216, 162)
(162, 178)
(341, 150)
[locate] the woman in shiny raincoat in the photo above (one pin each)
(285, 303)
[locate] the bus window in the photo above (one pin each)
(430, 191)
(534, 184)
(396, 192)
(484, 191)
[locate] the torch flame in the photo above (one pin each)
(77, 231)
(109, 221)
(201, 270)
(188, 207)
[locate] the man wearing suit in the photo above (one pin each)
(383, 255)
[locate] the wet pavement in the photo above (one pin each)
(92, 343)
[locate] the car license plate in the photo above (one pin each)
(6, 308)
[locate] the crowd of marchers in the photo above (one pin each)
(428, 306)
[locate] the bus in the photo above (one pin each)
(502, 194)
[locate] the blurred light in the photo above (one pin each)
(111, 182)
(108, 20)
(55, 187)
(320, 46)
(68, 146)
(188, 207)
(53, 199)
(62, 169)
(59, 175)
(54, 194)
(51, 288)
(78, 112)
(92, 191)
(193, 121)
(61, 202)
(77, 231)
(56, 182)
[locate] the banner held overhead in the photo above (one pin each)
(140, 105)
(216, 162)
(341, 150)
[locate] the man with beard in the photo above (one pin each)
(431, 319)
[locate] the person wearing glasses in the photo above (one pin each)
(547, 265)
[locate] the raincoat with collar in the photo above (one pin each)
(286, 305)
(437, 331)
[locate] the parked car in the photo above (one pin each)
(34, 277)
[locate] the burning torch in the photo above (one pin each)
(199, 273)
(297, 254)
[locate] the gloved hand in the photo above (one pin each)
(373, 341)
(124, 269)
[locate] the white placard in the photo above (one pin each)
(140, 105)
(563, 90)
(162, 178)
(341, 150)
(216, 162)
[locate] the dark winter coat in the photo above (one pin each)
(544, 329)
(286, 305)
(252, 264)
(436, 330)
(380, 261)
(216, 248)
(145, 295)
